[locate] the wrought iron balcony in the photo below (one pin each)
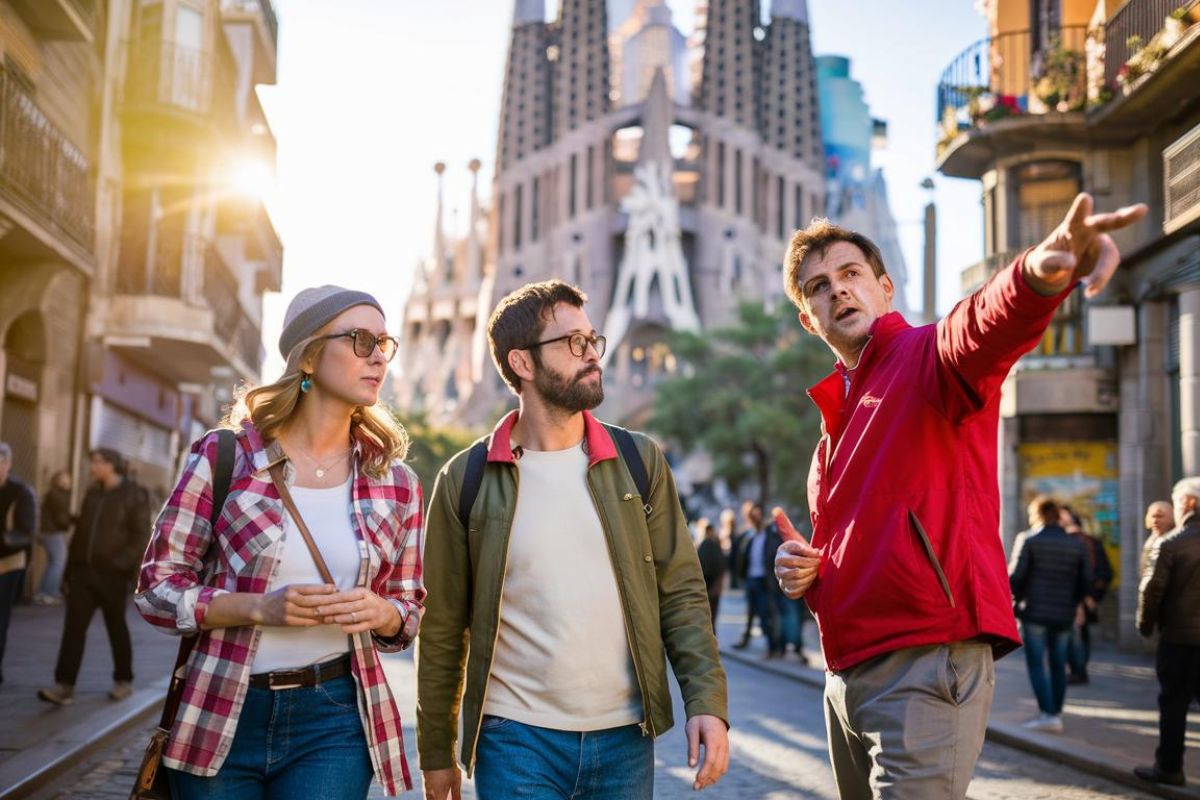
(42, 173)
(1014, 74)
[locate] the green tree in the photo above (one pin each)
(431, 446)
(741, 396)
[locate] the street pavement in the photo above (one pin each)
(777, 741)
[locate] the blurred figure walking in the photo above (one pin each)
(1160, 519)
(18, 514)
(55, 527)
(712, 566)
(1079, 650)
(102, 563)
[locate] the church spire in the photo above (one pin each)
(790, 9)
(439, 232)
(474, 244)
(656, 124)
(581, 73)
(789, 86)
(729, 77)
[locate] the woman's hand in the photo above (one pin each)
(292, 606)
(357, 610)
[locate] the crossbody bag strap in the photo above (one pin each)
(276, 471)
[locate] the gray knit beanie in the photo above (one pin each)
(311, 309)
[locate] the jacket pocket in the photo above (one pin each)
(927, 545)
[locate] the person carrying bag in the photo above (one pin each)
(283, 693)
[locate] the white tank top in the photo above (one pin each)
(327, 514)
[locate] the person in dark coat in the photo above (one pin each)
(1079, 649)
(1050, 576)
(18, 516)
(757, 564)
(102, 564)
(1169, 602)
(712, 565)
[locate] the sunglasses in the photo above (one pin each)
(365, 343)
(578, 343)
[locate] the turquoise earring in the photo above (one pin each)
(306, 383)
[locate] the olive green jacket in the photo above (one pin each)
(658, 576)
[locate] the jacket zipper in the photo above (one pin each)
(647, 725)
(487, 675)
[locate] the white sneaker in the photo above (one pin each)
(120, 690)
(1049, 723)
(60, 694)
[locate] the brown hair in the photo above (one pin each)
(816, 239)
(1046, 507)
(520, 318)
(382, 438)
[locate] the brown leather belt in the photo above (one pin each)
(312, 675)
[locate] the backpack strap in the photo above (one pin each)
(472, 480)
(222, 473)
(633, 462)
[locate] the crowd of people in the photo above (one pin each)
(554, 581)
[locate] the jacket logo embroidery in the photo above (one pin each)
(870, 401)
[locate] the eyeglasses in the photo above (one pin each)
(578, 342)
(365, 343)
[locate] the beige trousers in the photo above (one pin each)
(909, 725)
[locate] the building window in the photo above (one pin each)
(798, 210)
(737, 181)
(591, 169)
(518, 213)
(501, 222)
(721, 174)
(535, 208)
(573, 179)
(1042, 194)
(780, 194)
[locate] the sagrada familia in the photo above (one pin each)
(661, 174)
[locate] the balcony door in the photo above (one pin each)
(188, 88)
(1042, 195)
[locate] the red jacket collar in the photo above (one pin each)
(830, 392)
(599, 443)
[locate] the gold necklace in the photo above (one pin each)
(321, 468)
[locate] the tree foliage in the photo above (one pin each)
(431, 446)
(741, 396)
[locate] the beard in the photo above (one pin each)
(570, 394)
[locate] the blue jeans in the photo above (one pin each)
(523, 761)
(290, 743)
(55, 545)
(760, 597)
(1042, 642)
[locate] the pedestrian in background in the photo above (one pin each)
(285, 695)
(102, 563)
(737, 555)
(1160, 519)
(55, 528)
(18, 516)
(1079, 649)
(712, 566)
(762, 592)
(1050, 576)
(1169, 602)
(906, 569)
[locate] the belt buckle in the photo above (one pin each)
(293, 675)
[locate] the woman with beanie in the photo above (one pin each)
(284, 693)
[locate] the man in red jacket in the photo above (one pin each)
(906, 573)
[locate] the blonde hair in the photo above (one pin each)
(270, 407)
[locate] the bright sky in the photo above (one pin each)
(371, 93)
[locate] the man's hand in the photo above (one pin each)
(442, 784)
(709, 731)
(1079, 249)
(796, 561)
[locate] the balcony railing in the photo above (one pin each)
(166, 74)
(1014, 74)
(1134, 25)
(264, 6)
(231, 322)
(41, 171)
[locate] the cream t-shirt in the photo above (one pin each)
(562, 657)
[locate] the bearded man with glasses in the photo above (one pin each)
(567, 580)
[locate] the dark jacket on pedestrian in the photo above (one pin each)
(712, 565)
(1169, 599)
(1050, 575)
(56, 510)
(774, 540)
(17, 499)
(113, 528)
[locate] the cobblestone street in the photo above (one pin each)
(777, 745)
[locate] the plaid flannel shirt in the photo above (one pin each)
(186, 566)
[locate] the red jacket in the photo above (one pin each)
(903, 489)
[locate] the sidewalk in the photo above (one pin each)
(39, 739)
(1111, 723)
